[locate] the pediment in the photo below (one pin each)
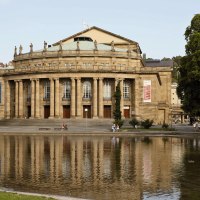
(100, 35)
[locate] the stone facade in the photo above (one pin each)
(77, 76)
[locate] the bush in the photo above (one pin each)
(120, 122)
(134, 122)
(147, 123)
(165, 126)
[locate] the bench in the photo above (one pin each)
(44, 129)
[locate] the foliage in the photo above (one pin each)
(165, 59)
(176, 67)
(147, 123)
(117, 112)
(189, 80)
(165, 126)
(119, 122)
(134, 122)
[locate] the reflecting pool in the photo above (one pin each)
(100, 167)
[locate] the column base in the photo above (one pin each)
(95, 117)
(51, 117)
(79, 117)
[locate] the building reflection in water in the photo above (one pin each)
(93, 167)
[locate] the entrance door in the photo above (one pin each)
(107, 111)
(29, 111)
(161, 116)
(66, 111)
(87, 111)
(46, 111)
(126, 111)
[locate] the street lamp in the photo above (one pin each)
(86, 113)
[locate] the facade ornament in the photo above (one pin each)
(31, 48)
(95, 45)
(60, 45)
(78, 48)
(20, 49)
(112, 46)
(15, 52)
(45, 45)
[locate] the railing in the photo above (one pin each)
(51, 54)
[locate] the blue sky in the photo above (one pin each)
(157, 25)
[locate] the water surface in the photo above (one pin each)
(100, 167)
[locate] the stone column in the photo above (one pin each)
(32, 98)
(122, 97)
(37, 99)
(51, 98)
(101, 98)
(137, 96)
(73, 99)
(57, 99)
(21, 102)
(94, 97)
(16, 99)
(79, 97)
(7, 100)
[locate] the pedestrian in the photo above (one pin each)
(117, 128)
(113, 128)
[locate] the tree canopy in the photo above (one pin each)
(189, 71)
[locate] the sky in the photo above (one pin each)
(157, 25)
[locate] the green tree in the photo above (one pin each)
(117, 113)
(176, 67)
(189, 73)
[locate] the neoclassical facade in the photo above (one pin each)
(76, 77)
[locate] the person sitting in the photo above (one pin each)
(64, 126)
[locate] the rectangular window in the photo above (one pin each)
(47, 90)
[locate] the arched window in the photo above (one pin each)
(107, 90)
(66, 90)
(126, 90)
(87, 90)
(47, 90)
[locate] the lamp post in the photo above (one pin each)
(86, 113)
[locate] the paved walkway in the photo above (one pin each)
(82, 126)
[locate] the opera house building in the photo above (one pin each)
(77, 76)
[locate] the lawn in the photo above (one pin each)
(15, 196)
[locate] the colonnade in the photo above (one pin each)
(76, 102)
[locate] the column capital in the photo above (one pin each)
(72, 78)
(94, 78)
(56, 79)
(100, 78)
(78, 78)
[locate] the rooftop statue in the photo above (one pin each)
(78, 48)
(20, 49)
(45, 45)
(112, 46)
(95, 45)
(60, 45)
(31, 48)
(129, 48)
(15, 52)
